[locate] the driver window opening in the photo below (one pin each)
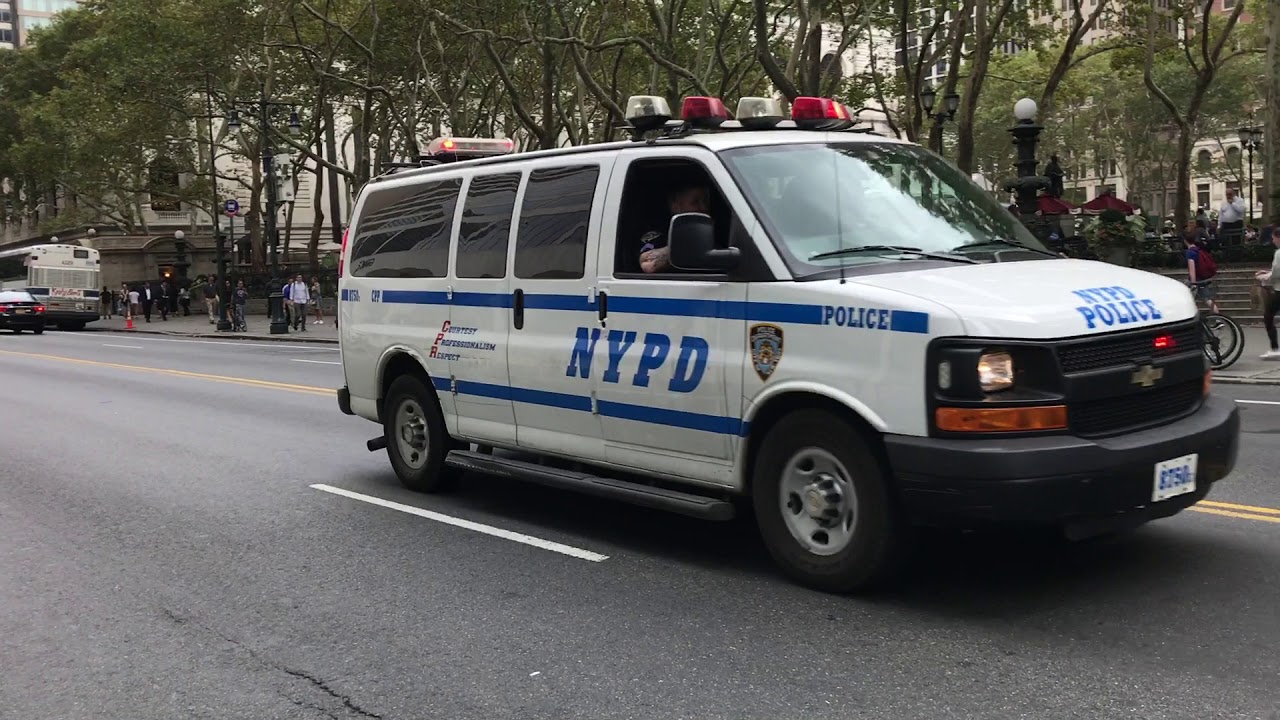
(654, 192)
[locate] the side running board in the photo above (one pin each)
(682, 503)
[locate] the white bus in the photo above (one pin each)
(63, 277)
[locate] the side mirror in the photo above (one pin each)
(692, 240)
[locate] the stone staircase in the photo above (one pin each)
(1233, 285)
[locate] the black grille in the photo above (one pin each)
(1156, 406)
(1126, 348)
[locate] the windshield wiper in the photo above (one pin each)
(892, 248)
(1010, 243)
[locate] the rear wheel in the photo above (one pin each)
(39, 330)
(823, 505)
(17, 331)
(416, 439)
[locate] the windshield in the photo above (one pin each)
(820, 199)
(15, 296)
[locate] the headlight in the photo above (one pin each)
(995, 371)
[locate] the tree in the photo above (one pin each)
(1205, 50)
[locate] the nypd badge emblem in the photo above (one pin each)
(766, 349)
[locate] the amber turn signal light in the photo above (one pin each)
(1006, 419)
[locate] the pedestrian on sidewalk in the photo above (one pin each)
(184, 301)
(104, 300)
(241, 298)
(316, 297)
(299, 295)
(135, 298)
(166, 297)
(148, 301)
(211, 300)
(286, 303)
(1270, 280)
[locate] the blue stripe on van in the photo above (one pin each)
(720, 425)
(38, 290)
(93, 294)
(904, 321)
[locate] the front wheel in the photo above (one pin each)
(416, 439)
(1223, 341)
(823, 504)
(39, 330)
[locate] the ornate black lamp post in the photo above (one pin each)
(1251, 139)
(951, 103)
(275, 288)
(1027, 186)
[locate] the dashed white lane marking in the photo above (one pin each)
(469, 525)
(1258, 402)
(131, 347)
(317, 362)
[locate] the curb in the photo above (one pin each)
(291, 337)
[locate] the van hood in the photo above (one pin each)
(1045, 299)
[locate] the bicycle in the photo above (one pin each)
(1224, 351)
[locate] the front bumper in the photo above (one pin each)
(1090, 486)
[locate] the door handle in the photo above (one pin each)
(517, 306)
(602, 305)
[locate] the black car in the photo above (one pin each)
(19, 311)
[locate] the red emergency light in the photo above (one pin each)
(704, 111)
(470, 147)
(815, 113)
(1165, 342)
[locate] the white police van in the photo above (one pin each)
(852, 335)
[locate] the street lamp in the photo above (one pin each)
(264, 107)
(1251, 139)
(1026, 135)
(951, 103)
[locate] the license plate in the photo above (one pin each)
(22, 311)
(1175, 477)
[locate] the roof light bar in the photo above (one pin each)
(703, 112)
(470, 147)
(647, 112)
(758, 113)
(815, 113)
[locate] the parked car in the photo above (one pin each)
(20, 311)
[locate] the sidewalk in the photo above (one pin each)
(1249, 369)
(197, 325)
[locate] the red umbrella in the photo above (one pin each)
(1049, 205)
(1107, 202)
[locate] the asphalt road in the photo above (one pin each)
(163, 554)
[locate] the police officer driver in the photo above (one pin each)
(655, 256)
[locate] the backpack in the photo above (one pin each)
(1206, 268)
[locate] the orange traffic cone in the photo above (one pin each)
(128, 323)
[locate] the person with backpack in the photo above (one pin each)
(1200, 271)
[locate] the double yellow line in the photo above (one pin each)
(244, 382)
(1240, 512)
(1209, 507)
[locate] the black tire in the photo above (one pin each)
(38, 331)
(71, 326)
(17, 331)
(878, 535)
(428, 475)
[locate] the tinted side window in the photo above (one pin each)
(486, 226)
(405, 232)
(554, 217)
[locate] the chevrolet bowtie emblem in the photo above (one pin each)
(1146, 376)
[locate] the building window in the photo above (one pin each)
(1101, 190)
(1233, 158)
(1228, 4)
(1204, 160)
(1202, 195)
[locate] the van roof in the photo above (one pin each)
(714, 141)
